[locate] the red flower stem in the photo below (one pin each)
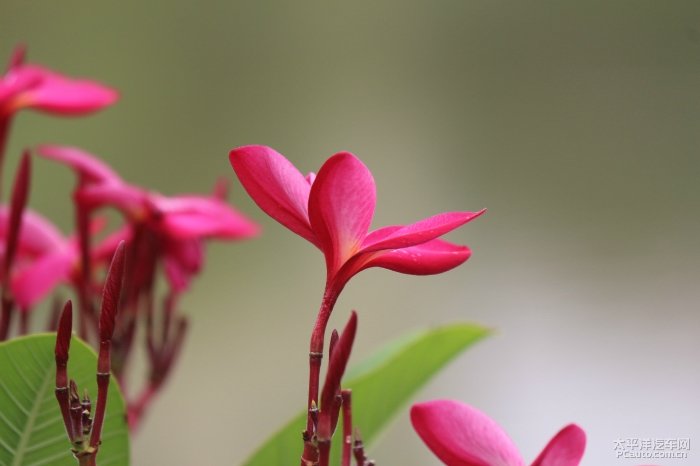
(110, 304)
(137, 409)
(102, 387)
(62, 348)
(64, 405)
(168, 308)
(5, 317)
(4, 135)
(316, 349)
(162, 361)
(347, 426)
(20, 191)
(324, 452)
(84, 288)
(87, 460)
(310, 453)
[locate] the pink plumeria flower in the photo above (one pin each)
(181, 217)
(461, 435)
(179, 223)
(38, 236)
(45, 257)
(33, 86)
(334, 209)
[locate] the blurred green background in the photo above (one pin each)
(576, 124)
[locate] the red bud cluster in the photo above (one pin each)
(84, 431)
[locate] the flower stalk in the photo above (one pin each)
(333, 210)
(85, 431)
(346, 395)
(20, 193)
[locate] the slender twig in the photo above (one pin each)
(330, 396)
(85, 284)
(316, 347)
(20, 193)
(5, 122)
(61, 354)
(108, 314)
(346, 395)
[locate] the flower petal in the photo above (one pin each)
(276, 186)
(130, 200)
(182, 260)
(35, 281)
(565, 449)
(341, 207)
(58, 94)
(417, 233)
(202, 216)
(37, 234)
(461, 435)
(229, 225)
(86, 165)
(436, 256)
(17, 80)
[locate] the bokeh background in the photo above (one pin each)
(576, 123)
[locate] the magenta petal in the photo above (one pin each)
(86, 165)
(59, 94)
(37, 234)
(230, 225)
(202, 216)
(436, 256)
(15, 82)
(565, 449)
(35, 281)
(461, 435)
(417, 233)
(341, 207)
(178, 277)
(131, 200)
(275, 185)
(183, 259)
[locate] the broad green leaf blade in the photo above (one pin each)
(31, 426)
(381, 386)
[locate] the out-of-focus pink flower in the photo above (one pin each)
(334, 209)
(461, 435)
(33, 86)
(37, 235)
(45, 257)
(89, 168)
(179, 223)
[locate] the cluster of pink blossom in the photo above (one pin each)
(164, 235)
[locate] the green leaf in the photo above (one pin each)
(381, 386)
(31, 426)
